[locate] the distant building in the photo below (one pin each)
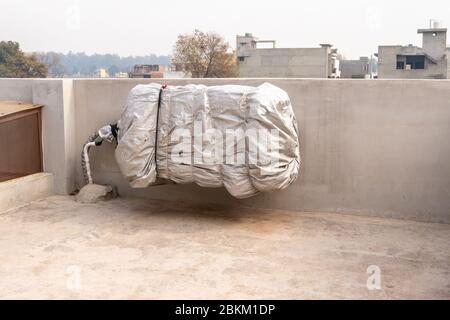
(121, 75)
(101, 73)
(431, 61)
(149, 71)
(284, 62)
(363, 68)
(176, 74)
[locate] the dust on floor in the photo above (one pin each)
(140, 249)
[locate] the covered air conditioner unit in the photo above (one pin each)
(240, 137)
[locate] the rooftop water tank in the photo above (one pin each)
(435, 24)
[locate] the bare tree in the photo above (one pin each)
(204, 55)
(53, 61)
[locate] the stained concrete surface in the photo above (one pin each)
(130, 248)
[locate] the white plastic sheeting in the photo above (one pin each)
(240, 137)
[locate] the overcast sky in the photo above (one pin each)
(138, 27)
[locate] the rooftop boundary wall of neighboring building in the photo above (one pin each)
(290, 62)
(376, 147)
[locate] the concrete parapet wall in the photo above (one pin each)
(375, 147)
(58, 126)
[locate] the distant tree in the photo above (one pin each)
(53, 61)
(92, 69)
(204, 55)
(15, 64)
(79, 64)
(112, 70)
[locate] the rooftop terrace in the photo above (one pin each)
(373, 195)
(148, 249)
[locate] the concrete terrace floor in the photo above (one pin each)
(137, 249)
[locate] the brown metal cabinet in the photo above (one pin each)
(20, 139)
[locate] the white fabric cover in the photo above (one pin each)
(235, 112)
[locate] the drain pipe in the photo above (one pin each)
(108, 133)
